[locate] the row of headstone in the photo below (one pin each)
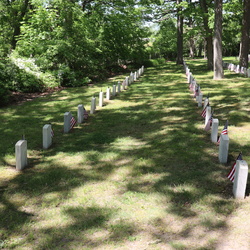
(70, 121)
(237, 69)
(240, 168)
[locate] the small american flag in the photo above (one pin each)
(204, 111)
(72, 122)
(231, 174)
(52, 132)
(224, 131)
(209, 122)
(197, 90)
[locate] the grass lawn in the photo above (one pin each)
(140, 173)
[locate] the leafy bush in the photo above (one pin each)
(4, 94)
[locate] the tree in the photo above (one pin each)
(179, 59)
(245, 40)
(208, 34)
(218, 66)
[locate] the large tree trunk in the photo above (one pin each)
(209, 35)
(17, 17)
(179, 59)
(218, 66)
(245, 35)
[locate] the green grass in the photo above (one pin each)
(140, 173)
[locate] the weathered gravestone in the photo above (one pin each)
(240, 179)
(223, 148)
(214, 130)
(80, 113)
(21, 155)
(67, 120)
(47, 136)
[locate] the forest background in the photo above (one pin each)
(66, 43)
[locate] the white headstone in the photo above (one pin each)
(67, 118)
(80, 113)
(126, 82)
(93, 105)
(119, 87)
(240, 179)
(208, 114)
(223, 148)
(135, 76)
(101, 99)
(108, 94)
(205, 102)
(200, 100)
(47, 136)
(114, 90)
(21, 154)
(214, 130)
(248, 72)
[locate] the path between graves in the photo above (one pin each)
(155, 181)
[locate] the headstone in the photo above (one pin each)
(127, 82)
(214, 130)
(240, 179)
(124, 84)
(114, 90)
(80, 113)
(101, 99)
(135, 76)
(21, 154)
(47, 136)
(208, 114)
(108, 94)
(200, 100)
(190, 77)
(142, 69)
(67, 119)
(248, 72)
(93, 105)
(119, 87)
(223, 148)
(205, 102)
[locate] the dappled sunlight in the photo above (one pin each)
(140, 172)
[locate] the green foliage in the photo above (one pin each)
(165, 40)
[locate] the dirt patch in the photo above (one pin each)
(17, 98)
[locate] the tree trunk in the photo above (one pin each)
(209, 35)
(218, 66)
(245, 35)
(179, 59)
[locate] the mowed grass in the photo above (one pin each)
(141, 173)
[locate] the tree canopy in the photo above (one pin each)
(75, 42)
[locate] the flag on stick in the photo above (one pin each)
(209, 122)
(231, 174)
(52, 132)
(197, 90)
(72, 122)
(203, 113)
(224, 131)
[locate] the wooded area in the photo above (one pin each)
(49, 43)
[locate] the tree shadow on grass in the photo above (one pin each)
(154, 138)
